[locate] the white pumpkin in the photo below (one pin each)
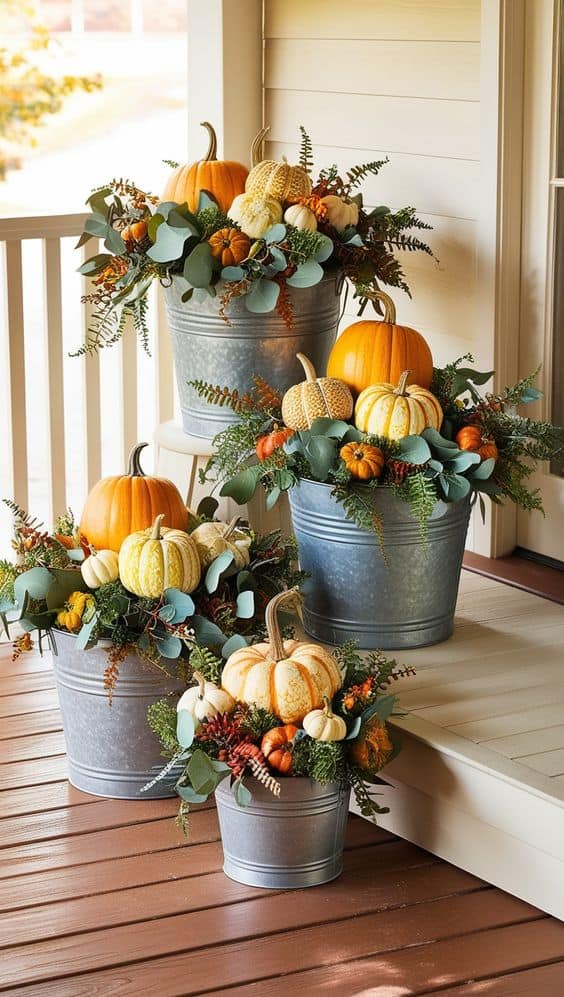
(205, 700)
(301, 217)
(255, 214)
(340, 213)
(212, 539)
(100, 568)
(323, 725)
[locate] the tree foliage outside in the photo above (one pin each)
(29, 92)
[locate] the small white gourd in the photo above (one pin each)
(205, 700)
(323, 725)
(300, 216)
(100, 568)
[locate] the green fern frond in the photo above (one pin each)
(357, 174)
(216, 395)
(21, 517)
(306, 151)
(203, 660)
(421, 495)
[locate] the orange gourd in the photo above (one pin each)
(223, 179)
(123, 504)
(229, 246)
(364, 461)
(475, 439)
(376, 352)
(266, 445)
(277, 745)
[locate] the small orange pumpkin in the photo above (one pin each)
(372, 748)
(277, 745)
(124, 504)
(134, 233)
(229, 246)
(266, 445)
(364, 461)
(474, 438)
(223, 179)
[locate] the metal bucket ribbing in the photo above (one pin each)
(111, 750)
(284, 842)
(206, 348)
(352, 594)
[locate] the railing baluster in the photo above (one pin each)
(164, 373)
(128, 379)
(55, 383)
(17, 418)
(91, 364)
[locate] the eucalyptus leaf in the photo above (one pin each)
(352, 435)
(235, 643)
(242, 795)
(206, 200)
(263, 296)
(86, 637)
(275, 234)
(454, 486)
(95, 264)
(154, 222)
(232, 273)
(167, 613)
(242, 487)
(185, 728)
(355, 240)
(97, 201)
(36, 582)
(190, 795)
(65, 581)
(324, 249)
(279, 261)
(216, 569)
(272, 497)
(434, 439)
(324, 426)
(198, 266)
(321, 455)
(169, 244)
(246, 605)
(462, 461)
(201, 772)
(307, 275)
(484, 470)
(181, 603)
(354, 729)
(180, 217)
(207, 633)
(76, 554)
(246, 580)
(414, 450)
(382, 708)
(168, 645)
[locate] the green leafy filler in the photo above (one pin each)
(421, 470)
(227, 745)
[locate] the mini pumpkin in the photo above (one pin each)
(69, 619)
(277, 746)
(255, 213)
(280, 180)
(289, 678)
(213, 539)
(153, 560)
(315, 397)
(378, 351)
(383, 410)
(340, 213)
(100, 568)
(475, 439)
(122, 504)
(266, 445)
(323, 725)
(133, 234)
(364, 461)
(223, 179)
(229, 246)
(205, 700)
(372, 748)
(300, 216)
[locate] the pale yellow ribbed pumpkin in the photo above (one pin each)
(255, 213)
(383, 410)
(280, 180)
(289, 678)
(314, 398)
(212, 539)
(153, 560)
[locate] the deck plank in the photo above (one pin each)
(13, 685)
(24, 703)
(33, 772)
(19, 749)
(28, 725)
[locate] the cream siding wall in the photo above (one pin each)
(396, 78)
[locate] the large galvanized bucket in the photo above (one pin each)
(111, 750)
(206, 348)
(284, 842)
(353, 594)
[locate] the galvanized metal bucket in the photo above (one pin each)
(206, 348)
(284, 842)
(353, 594)
(111, 750)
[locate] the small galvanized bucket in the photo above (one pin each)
(206, 348)
(111, 750)
(353, 594)
(284, 842)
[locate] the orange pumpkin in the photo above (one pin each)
(372, 748)
(474, 438)
(124, 504)
(276, 747)
(223, 179)
(364, 461)
(376, 352)
(134, 233)
(229, 246)
(266, 445)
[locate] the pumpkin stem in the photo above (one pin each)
(156, 534)
(327, 708)
(202, 684)
(212, 148)
(133, 465)
(389, 306)
(308, 367)
(231, 528)
(256, 146)
(400, 390)
(275, 641)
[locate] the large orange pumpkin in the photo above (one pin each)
(124, 504)
(222, 178)
(377, 352)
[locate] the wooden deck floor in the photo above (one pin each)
(102, 897)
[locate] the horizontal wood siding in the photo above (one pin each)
(399, 79)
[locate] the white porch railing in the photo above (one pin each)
(67, 420)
